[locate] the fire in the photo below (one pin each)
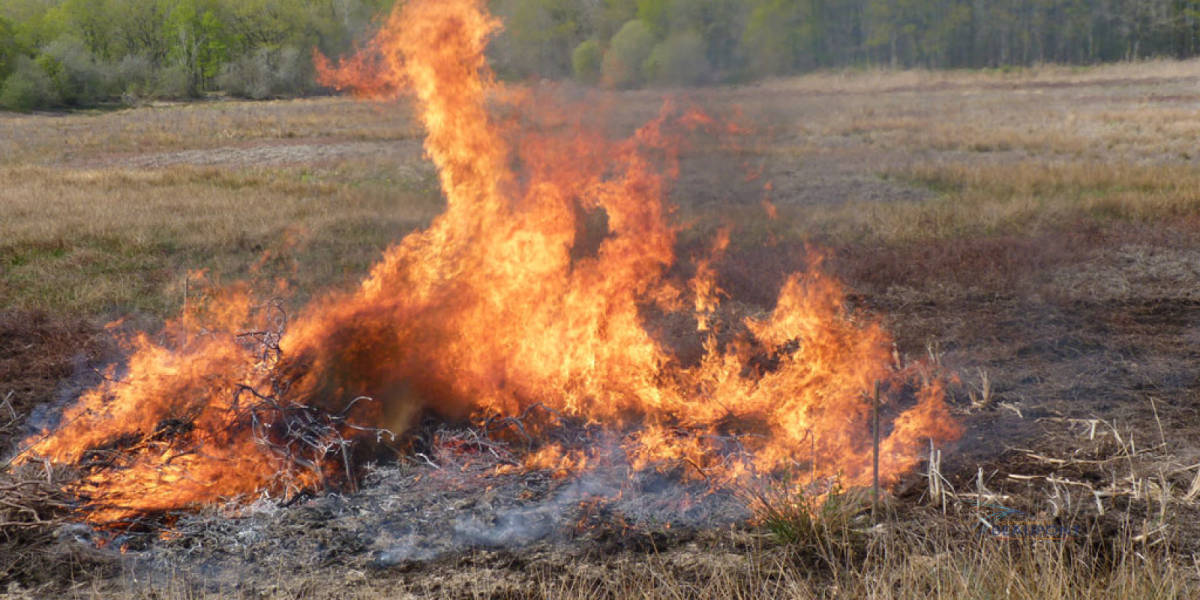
(492, 310)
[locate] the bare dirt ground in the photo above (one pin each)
(1037, 234)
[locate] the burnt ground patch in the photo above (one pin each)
(43, 358)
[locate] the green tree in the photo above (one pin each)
(197, 42)
(774, 38)
(883, 29)
(35, 22)
(139, 29)
(608, 16)
(93, 22)
(656, 14)
(214, 49)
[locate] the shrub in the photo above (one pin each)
(293, 72)
(267, 73)
(173, 82)
(585, 61)
(538, 38)
(27, 88)
(135, 76)
(76, 76)
(629, 48)
(247, 77)
(678, 60)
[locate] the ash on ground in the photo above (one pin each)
(412, 512)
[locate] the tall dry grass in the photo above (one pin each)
(71, 138)
(94, 241)
(877, 80)
(1024, 198)
(925, 562)
(105, 212)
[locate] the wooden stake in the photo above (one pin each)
(875, 454)
(812, 440)
(183, 330)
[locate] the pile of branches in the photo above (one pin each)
(40, 543)
(38, 539)
(306, 437)
(314, 445)
(33, 499)
(303, 436)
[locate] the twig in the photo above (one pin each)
(1073, 461)
(1162, 438)
(697, 467)
(11, 410)
(1194, 490)
(937, 483)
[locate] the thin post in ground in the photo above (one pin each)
(875, 452)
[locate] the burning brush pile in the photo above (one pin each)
(501, 319)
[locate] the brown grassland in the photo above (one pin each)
(1036, 232)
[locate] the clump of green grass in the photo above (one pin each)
(827, 526)
(810, 519)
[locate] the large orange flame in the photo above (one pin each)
(494, 309)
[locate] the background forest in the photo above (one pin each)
(66, 53)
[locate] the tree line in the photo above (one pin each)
(80, 52)
(636, 42)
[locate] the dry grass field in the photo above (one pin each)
(1035, 232)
